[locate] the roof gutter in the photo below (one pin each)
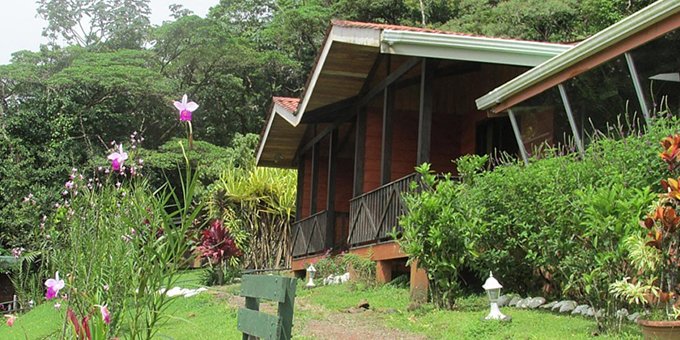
(615, 33)
(471, 48)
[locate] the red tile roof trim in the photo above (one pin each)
(357, 24)
(288, 103)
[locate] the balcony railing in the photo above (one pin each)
(309, 234)
(373, 215)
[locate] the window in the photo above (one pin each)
(658, 66)
(543, 123)
(604, 102)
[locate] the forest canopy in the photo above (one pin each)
(108, 72)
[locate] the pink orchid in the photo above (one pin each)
(53, 287)
(185, 109)
(117, 158)
(106, 316)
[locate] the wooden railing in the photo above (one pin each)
(373, 215)
(309, 234)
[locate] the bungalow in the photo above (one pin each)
(380, 100)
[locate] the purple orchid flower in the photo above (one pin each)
(117, 158)
(53, 287)
(185, 109)
(106, 315)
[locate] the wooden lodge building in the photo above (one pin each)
(382, 99)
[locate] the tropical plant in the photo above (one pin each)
(260, 203)
(657, 284)
(220, 248)
(136, 239)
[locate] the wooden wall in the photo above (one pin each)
(454, 122)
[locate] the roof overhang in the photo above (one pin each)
(469, 48)
(570, 63)
(281, 119)
(349, 53)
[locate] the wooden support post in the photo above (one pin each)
(572, 121)
(383, 271)
(386, 149)
(300, 188)
(518, 137)
(637, 84)
(330, 189)
(315, 178)
(359, 151)
(419, 283)
(425, 116)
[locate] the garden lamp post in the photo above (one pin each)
(493, 288)
(310, 274)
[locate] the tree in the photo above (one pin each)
(114, 23)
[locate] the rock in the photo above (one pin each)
(568, 306)
(589, 312)
(535, 302)
(363, 304)
(513, 301)
(621, 313)
(599, 313)
(504, 300)
(354, 310)
(549, 305)
(557, 306)
(579, 309)
(633, 317)
(521, 303)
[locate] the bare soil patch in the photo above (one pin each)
(329, 324)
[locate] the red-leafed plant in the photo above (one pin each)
(220, 248)
(657, 256)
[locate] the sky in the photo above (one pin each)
(22, 30)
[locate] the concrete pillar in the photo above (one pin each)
(383, 272)
(419, 283)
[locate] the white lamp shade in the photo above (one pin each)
(491, 283)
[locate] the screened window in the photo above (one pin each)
(543, 123)
(658, 66)
(604, 102)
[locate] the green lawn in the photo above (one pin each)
(461, 324)
(210, 316)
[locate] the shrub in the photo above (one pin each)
(554, 226)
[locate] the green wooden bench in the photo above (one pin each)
(254, 323)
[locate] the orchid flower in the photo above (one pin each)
(117, 158)
(185, 109)
(53, 287)
(106, 316)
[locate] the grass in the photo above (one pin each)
(466, 323)
(209, 316)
